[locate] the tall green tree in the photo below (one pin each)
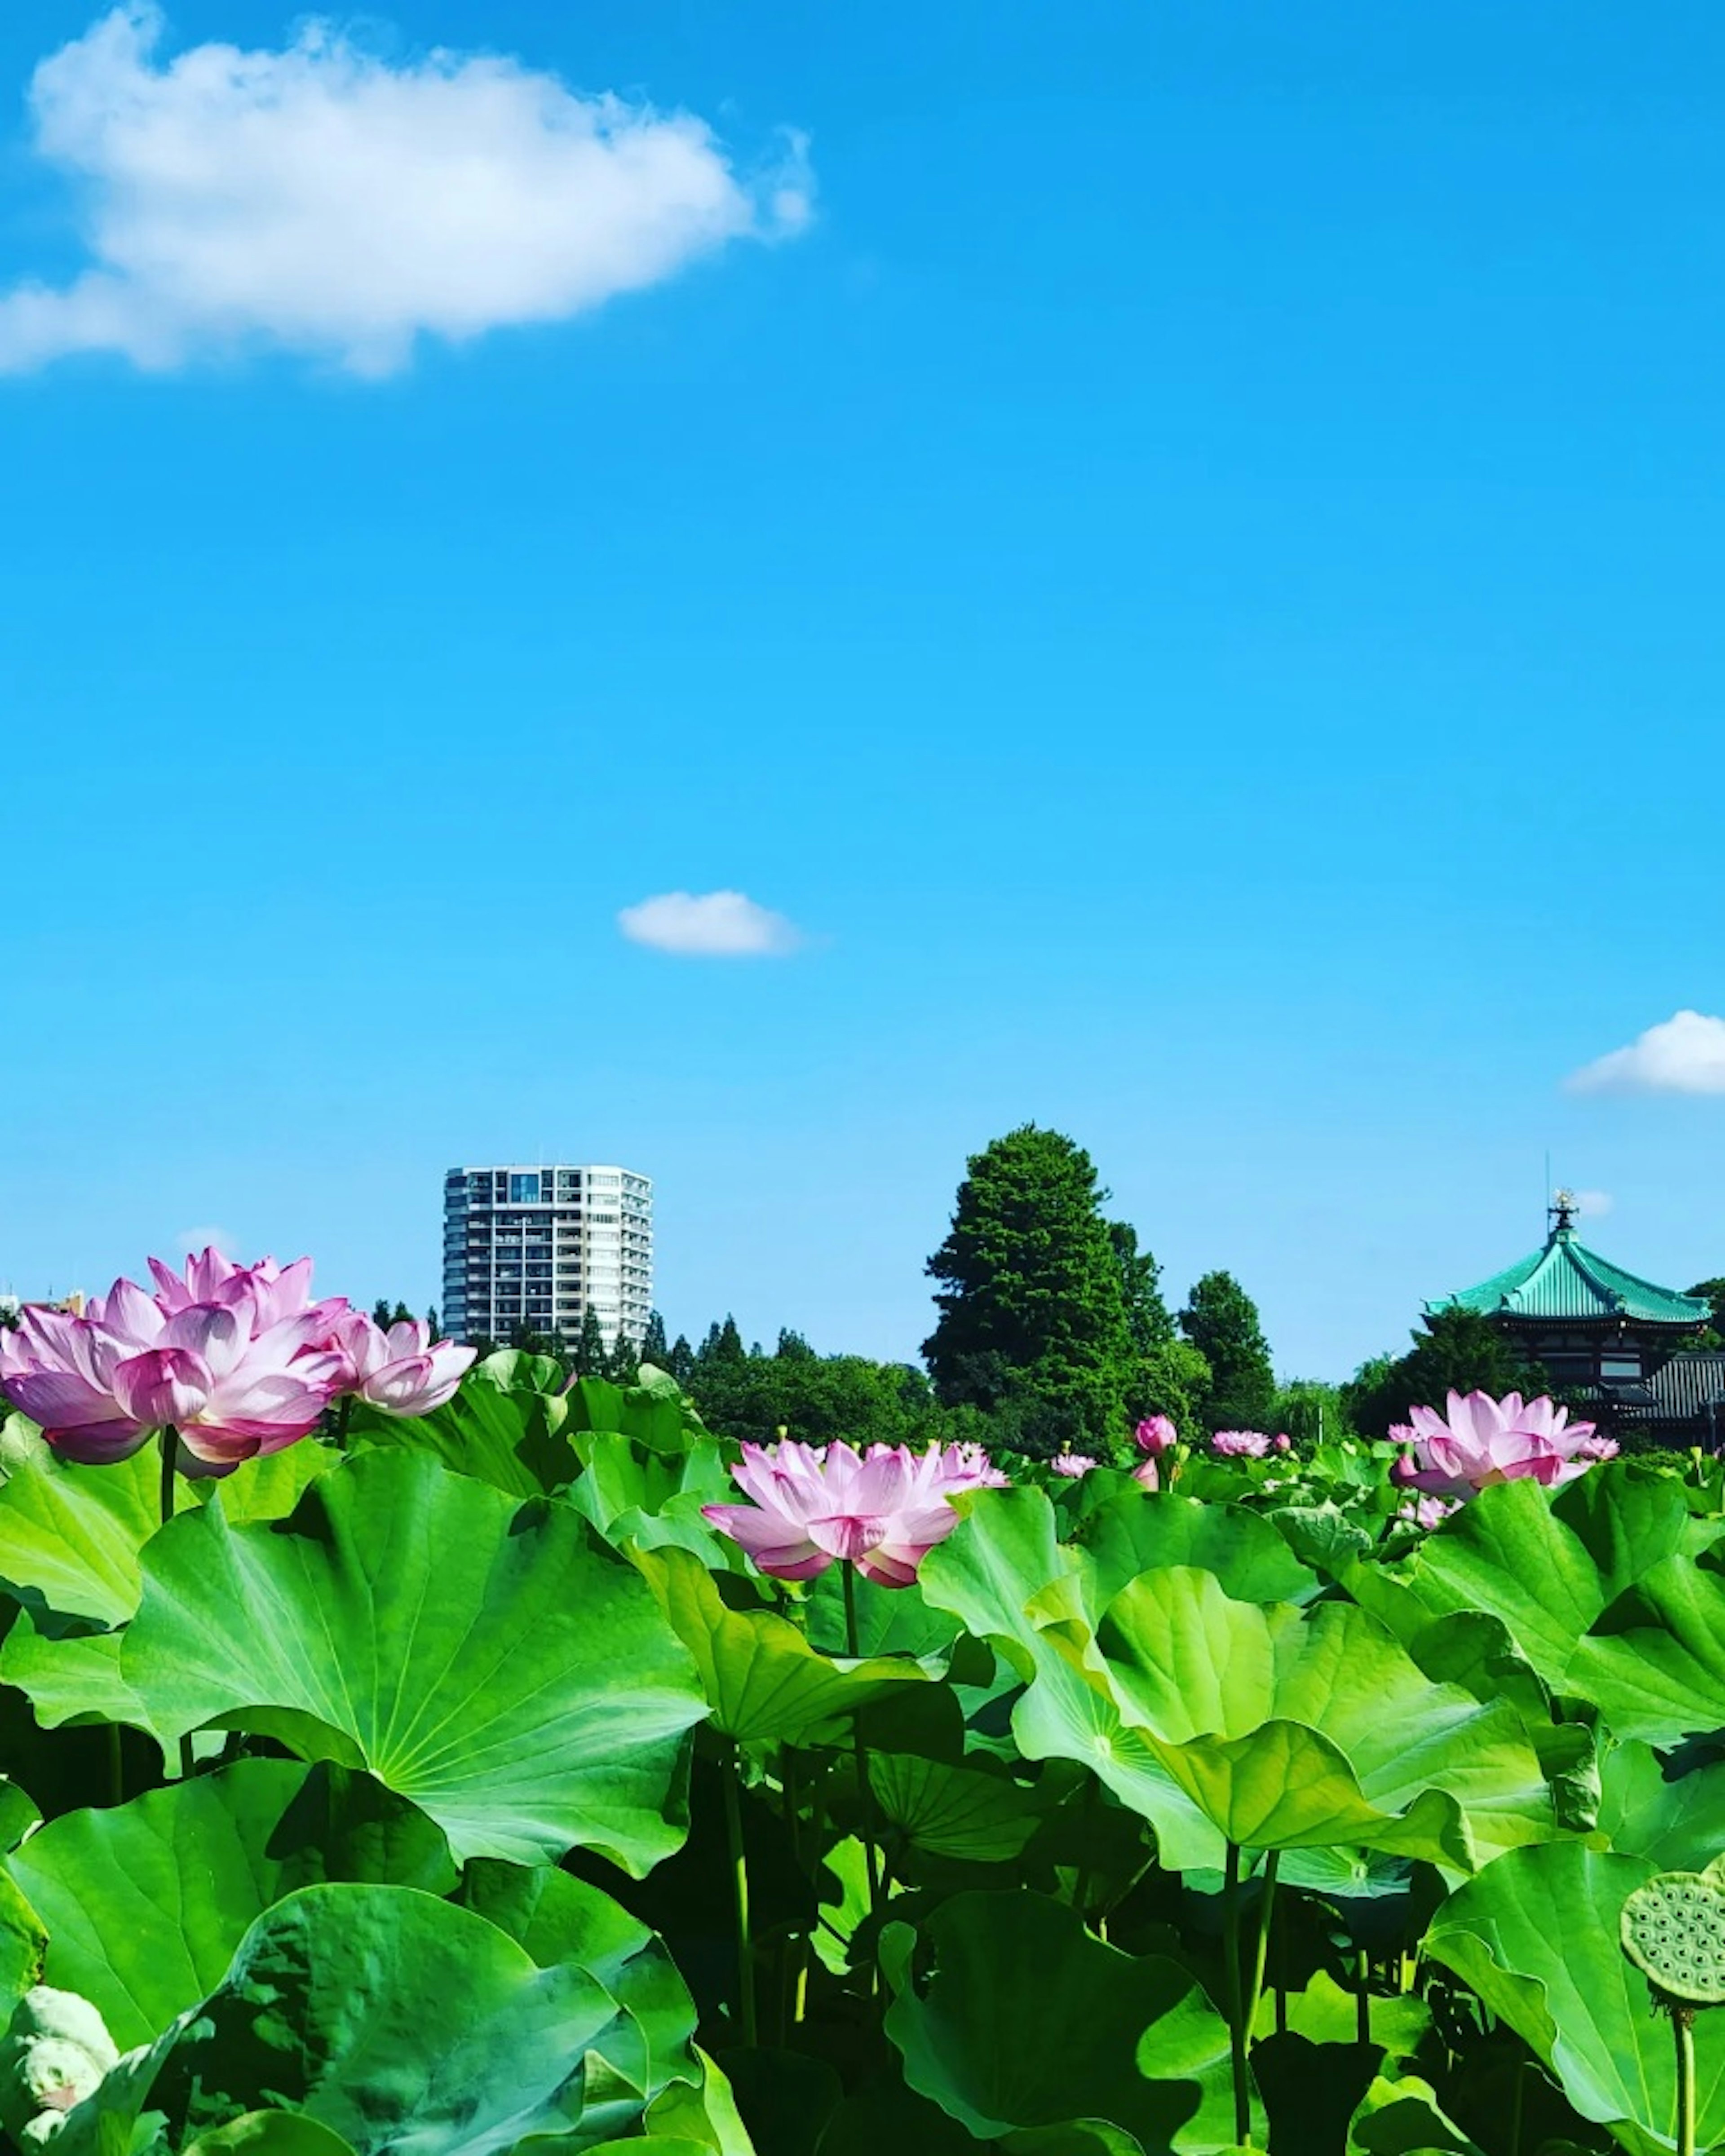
(723, 1344)
(1457, 1350)
(655, 1348)
(681, 1361)
(1714, 1291)
(1033, 1323)
(623, 1366)
(1220, 1320)
(1169, 1376)
(592, 1358)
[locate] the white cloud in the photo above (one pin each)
(717, 924)
(1592, 1205)
(1685, 1055)
(190, 1242)
(320, 200)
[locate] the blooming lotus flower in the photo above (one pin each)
(1240, 1444)
(1072, 1465)
(237, 1360)
(1480, 1441)
(813, 1505)
(400, 1372)
(1154, 1435)
(967, 1467)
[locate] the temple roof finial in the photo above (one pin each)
(1563, 1210)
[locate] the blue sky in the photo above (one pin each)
(1191, 577)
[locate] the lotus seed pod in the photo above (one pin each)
(1673, 1930)
(55, 2052)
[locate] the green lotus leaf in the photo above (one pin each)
(1647, 1809)
(1297, 1728)
(393, 2018)
(633, 1494)
(144, 1903)
(72, 1680)
(69, 1536)
(1004, 1555)
(1654, 1663)
(707, 2115)
(1095, 2034)
(486, 1658)
(23, 1947)
(889, 1620)
(269, 2133)
(960, 1812)
(655, 1413)
(558, 1918)
(1537, 1937)
(1545, 1565)
(764, 1682)
(1402, 2117)
(505, 1426)
(1139, 1531)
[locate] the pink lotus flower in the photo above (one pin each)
(1482, 1441)
(237, 1360)
(1240, 1444)
(399, 1371)
(1284, 1443)
(1148, 1474)
(813, 1505)
(1154, 1435)
(1072, 1465)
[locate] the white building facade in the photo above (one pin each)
(538, 1246)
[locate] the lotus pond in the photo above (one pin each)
(515, 1773)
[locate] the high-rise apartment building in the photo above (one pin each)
(537, 1246)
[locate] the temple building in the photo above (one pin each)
(1622, 1351)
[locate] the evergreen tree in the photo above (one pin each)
(434, 1331)
(1714, 1291)
(1458, 1350)
(591, 1358)
(792, 1347)
(383, 1317)
(1220, 1320)
(655, 1348)
(723, 1344)
(623, 1365)
(681, 1361)
(1033, 1322)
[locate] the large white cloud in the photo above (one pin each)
(320, 199)
(716, 924)
(1684, 1054)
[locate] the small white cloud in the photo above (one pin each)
(189, 1242)
(716, 924)
(1592, 1205)
(1685, 1055)
(317, 199)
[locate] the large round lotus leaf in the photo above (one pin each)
(1538, 1935)
(1024, 2020)
(70, 1535)
(398, 2020)
(1005, 1555)
(144, 1903)
(486, 1656)
(1654, 1663)
(1137, 1530)
(269, 2133)
(763, 1680)
(1546, 1565)
(1676, 1820)
(1294, 1727)
(1673, 1930)
(559, 1919)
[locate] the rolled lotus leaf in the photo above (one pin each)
(1673, 1932)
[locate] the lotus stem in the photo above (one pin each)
(1260, 1959)
(116, 1766)
(1683, 2026)
(170, 1441)
(871, 1854)
(740, 1894)
(1237, 2003)
(1363, 1997)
